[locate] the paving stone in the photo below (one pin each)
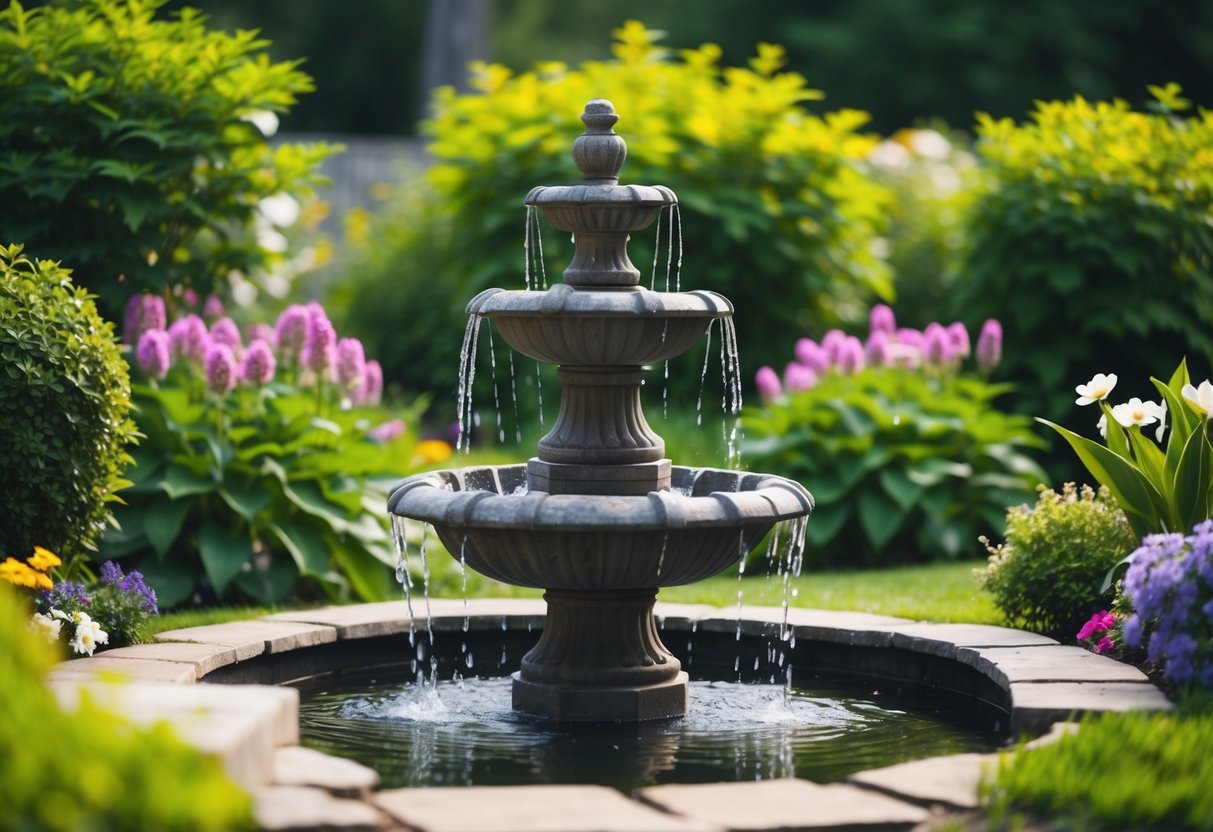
(253, 638)
(354, 620)
(204, 657)
(295, 765)
(1047, 664)
(785, 805)
(1035, 706)
(1056, 731)
(132, 670)
(529, 809)
(975, 635)
(299, 809)
(824, 625)
(950, 782)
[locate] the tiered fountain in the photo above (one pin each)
(599, 518)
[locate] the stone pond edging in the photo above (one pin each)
(254, 728)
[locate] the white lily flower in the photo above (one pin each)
(1159, 409)
(1095, 390)
(45, 626)
(88, 635)
(1134, 412)
(1102, 424)
(1200, 398)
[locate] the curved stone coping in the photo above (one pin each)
(253, 729)
(484, 497)
(601, 194)
(629, 302)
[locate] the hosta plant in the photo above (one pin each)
(264, 467)
(908, 456)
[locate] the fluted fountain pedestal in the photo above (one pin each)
(600, 659)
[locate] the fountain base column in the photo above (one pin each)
(600, 659)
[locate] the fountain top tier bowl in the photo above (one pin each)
(600, 518)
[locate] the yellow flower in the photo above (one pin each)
(44, 559)
(20, 574)
(430, 451)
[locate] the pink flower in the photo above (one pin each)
(767, 382)
(143, 312)
(188, 339)
(319, 348)
(877, 350)
(264, 332)
(370, 391)
(221, 369)
(811, 355)
(1100, 622)
(910, 338)
(850, 355)
(190, 298)
(1104, 646)
(832, 343)
(225, 331)
(799, 377)
(213, 308)
(937, 346)
(881, 319)
(989, 345)
(958, 336)
(387, 431)
(351, 363)
(257, 366)
(152, 353)
(291, 333)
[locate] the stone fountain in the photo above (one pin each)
(600, 518)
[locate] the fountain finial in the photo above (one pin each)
(599, 151)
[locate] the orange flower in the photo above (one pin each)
(44, 559)
(430, 451)
(16, 572)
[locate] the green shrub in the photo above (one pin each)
(1118, 772)
(262, 481)
(906, 465)
(1048, 574)
(777, 210)
(88, 769)
(1092, 240)
(126, 145)
(64, 400)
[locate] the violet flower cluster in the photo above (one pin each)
(1170, 587)
(112, 612)
(304, 344)
(936, 348)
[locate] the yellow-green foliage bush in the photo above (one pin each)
(1092, 241)
(777, 209)
(90, 771)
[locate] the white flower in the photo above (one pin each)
(1095, 390)
(281, 209)
(88, 634)
(930, 144)
(889, 155)
(1102, 424)
(1159, 409)
(1135, 412)
(1200, 398)
(264, 120)
(45, 626)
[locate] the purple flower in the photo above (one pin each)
(188, 339)
(143, 312)
(292, 333)
(881, 319)
(134, 584)
(189, 297)
(130, 319)
(370, 390)
(910, 338)
(387, 431)
(67, 594)
(264, 332)
(1132, 631)
(257, 364)
(213, 308)
(351, 363)
(224, 331)
(989, 345)
(811, 355)
(832, 343)
(958, 337)
(320, 345)
(767, 382)
(152, 353)
(221, 370)
(111, 573)
(799, 377)
(937, 346)
(850, 356)
(877, 351)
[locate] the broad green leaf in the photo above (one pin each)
(309, 552)
(826, 522)
(1182, 423)
(1150, 460)
(308, 497)
(1118, 443)
(180, 481)
(897, 484)
(246, 502)
(880, 517)
(163, 523)
(370, 578)
(1192, 482)
(224, 553)
(934, 470)
(271, 585)
(172, 580)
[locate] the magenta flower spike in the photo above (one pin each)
(850, 356)
(767, 382)
(264, 332)
(188, 339)
(320, 345)
(811, 355)
(370, 391)
(291, 333)
(832, 344)
(152, 353)
(877, 352)
(989, 345)
(225, 331)
(213, 308)
(937, 346)
(881, 319)
(799, 377)
(387, 431)
(221, 369)
(257, 365)
(351, 364)
(958, 334)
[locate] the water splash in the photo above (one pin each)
(534, 269)
(467, 377)
(403, 575)
(514, 398)
(496, 395)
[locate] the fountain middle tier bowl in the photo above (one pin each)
(600, 327)
(703, 524)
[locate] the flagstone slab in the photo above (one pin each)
(254, 638)
(301, 809)
(950, 781)
(127, 669)
(857, 628)
(295, 765)
(972, 635)
(392, 617)
(204, 657)
(1037, 705)
(529, 809)
(785, 805)
(1059, 663)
